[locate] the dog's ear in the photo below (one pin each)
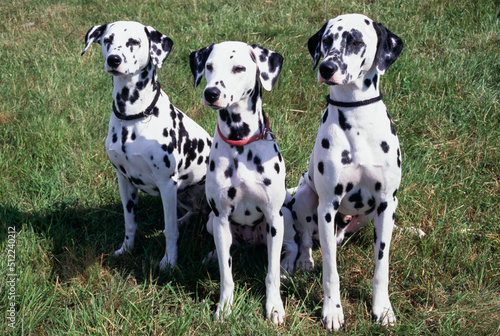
(269, 64)
(94, 35)
(314, 45)
(389, 47)
(197, 61)
(159, 46)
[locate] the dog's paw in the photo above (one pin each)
(119, 252)
(305, 263)
(276, 313)
(287, 266)
(166, 263)
(122, 250)
(222, 312)
(184, 219)
(411, 230)
(211, 257)
(340, 237)
(384, 316)
(415, 231)
(333, 319)
(277, 318)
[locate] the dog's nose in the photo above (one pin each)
(212, 94)
(114, 61)
(327, 69)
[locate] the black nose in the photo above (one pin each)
(114, 61)
(327, 69)
(212, 94)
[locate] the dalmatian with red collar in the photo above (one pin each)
(245, 183)
(153, 146)
(355, 167)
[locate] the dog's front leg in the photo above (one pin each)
(383, 226)
(128, 194)
(223, 241)
(275, 232)
(169, 199)
(333, 315)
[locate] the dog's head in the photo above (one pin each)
(129, 46)
(233, 71)
(350, 46)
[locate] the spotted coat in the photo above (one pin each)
(355, 167)
(245, 184)
(153, 146)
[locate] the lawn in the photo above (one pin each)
(58, 191)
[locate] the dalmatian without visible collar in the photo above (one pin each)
(153, 146)
(245, 183)
(355, 167)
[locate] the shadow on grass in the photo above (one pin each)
(80, 236)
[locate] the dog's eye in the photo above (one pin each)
(132, 43)
(238, 69)
(210, 67)
(107, 40)
(327, 41)
(357, 43)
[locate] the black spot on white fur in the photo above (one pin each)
(343, 123)
(346, 157)
(384, 146)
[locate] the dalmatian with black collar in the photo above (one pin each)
(355, 167)
(153, 146)
(245, 183)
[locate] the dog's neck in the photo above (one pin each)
(243, 119)
(364, 88)
(132, 94)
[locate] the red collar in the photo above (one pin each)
(244, 142)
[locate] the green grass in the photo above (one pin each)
(59, 191)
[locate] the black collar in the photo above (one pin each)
(147, 112)
(353, 104)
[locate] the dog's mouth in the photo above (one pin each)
(114, 72)
(213, 106)
(328, 82)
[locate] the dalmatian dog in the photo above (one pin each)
(355, 167)
(245, 183)
(153, 146)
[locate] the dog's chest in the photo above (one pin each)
(364, 138)
(155, 149)
(130, 148)
(243, 180)
(357, 158)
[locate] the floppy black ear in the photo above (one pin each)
(94, 35)
(197, 60)
(269, 64)
(159, 47)
(314, 45)
(389, 47)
